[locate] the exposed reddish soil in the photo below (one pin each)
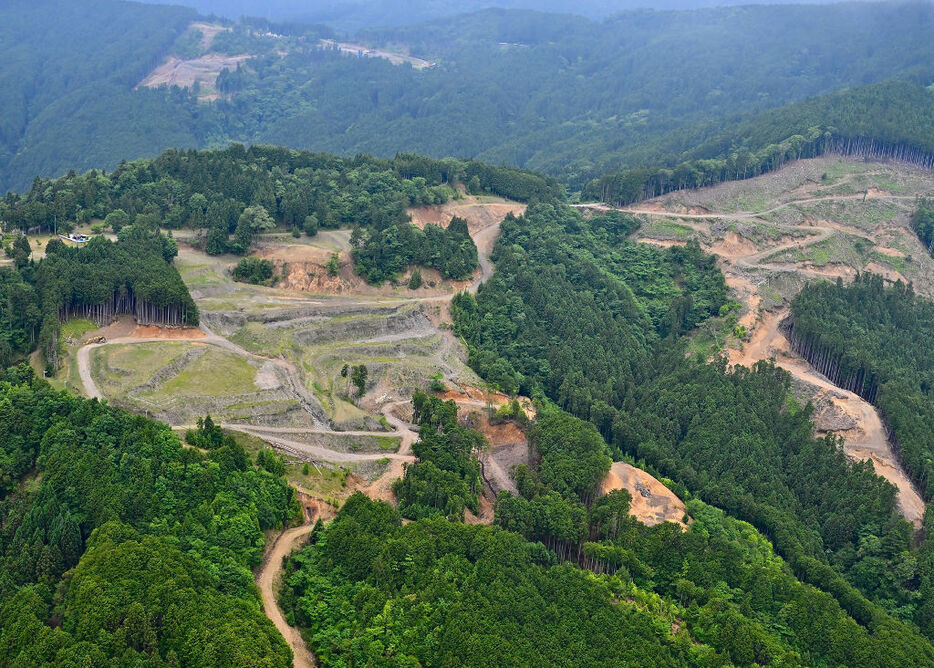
(304, 268)
(467, 395)
(652, 502)
(171, 333)
(119, 328)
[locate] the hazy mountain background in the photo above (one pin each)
(351, 15)
(88, 84)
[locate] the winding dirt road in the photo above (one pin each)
(268, 579)
(868, 441)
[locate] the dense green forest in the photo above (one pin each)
(567, 95)
(386, 253)
(370, 590)
(233, 194)
(564, 315)
(350, 15)
(139, 550)
(98, 281)
(922, 222)
(67, 77)
(570, 96)
(445, 478)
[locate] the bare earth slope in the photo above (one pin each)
(652, 502)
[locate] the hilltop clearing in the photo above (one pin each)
(822, 218)
(267, 361)
(193, 65)
(202, 71)
(652, 503)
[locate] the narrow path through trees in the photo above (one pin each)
(269, 579)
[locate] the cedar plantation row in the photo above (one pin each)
(635, 185)
(126, 302)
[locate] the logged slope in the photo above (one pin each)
(891, 120)
(873, 340)
(729, 437)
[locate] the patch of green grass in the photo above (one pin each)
(215, 373)
(842, 168)
(259, 339)
(666, 229)
(119, 368)
(77, 328)
(881, 212)
(250, 443)
(390, 443)
(753, 204)
(886, 182)
(899, 264)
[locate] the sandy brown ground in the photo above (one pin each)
(652, 502)
(749, 266)
(269, 577)
(184, 73)
(208, 32)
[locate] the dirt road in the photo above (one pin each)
(268, 579)
(868, 441)
(741, 260)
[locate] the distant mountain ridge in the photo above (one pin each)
(568, 96)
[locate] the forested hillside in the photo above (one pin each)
(98, 281)
(370, 590)
(891, 120)
(67, 74)
(729, 436)
(229, 196)
(123, 545)
(564, 94)
(139, 549)
(351, 15)
(570, 96)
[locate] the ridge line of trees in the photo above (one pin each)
(634, 185)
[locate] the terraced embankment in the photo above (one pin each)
(822, 218)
